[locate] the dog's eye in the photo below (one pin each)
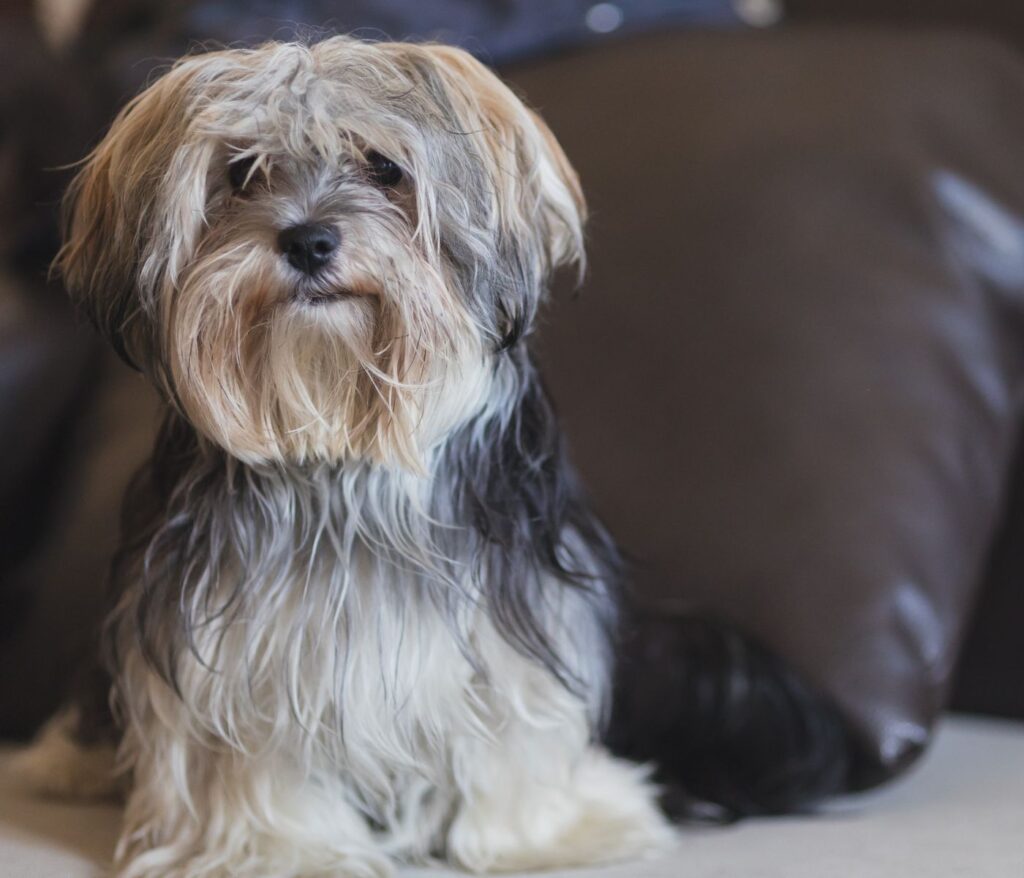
(239, 172)
(384, 172)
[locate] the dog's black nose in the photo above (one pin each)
(309, 246)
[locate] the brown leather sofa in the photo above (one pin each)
(792, 380)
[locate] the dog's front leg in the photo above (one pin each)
(539, 795)
(203, 807)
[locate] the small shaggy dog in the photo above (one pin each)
(362, 609)
(362, 612)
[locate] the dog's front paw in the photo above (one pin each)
(608, 814)
(230, 846)
(158, 864)
(55, 764)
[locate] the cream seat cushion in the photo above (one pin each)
(960, 814)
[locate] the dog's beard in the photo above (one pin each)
(374, 358)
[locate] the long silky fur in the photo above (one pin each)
(503, 517)
(501, 534)
(734, 731)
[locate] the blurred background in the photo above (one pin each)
(793, 378)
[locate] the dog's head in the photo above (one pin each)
(317, 252)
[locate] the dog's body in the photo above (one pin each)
(362, 610)
(347, 687)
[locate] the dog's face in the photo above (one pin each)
(317, 252)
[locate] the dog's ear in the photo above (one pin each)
(537, 209)
(132, 191)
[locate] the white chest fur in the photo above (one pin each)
(336, 669)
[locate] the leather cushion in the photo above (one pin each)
(793, 378)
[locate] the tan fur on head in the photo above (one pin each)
(392, 347)
(535, 184)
